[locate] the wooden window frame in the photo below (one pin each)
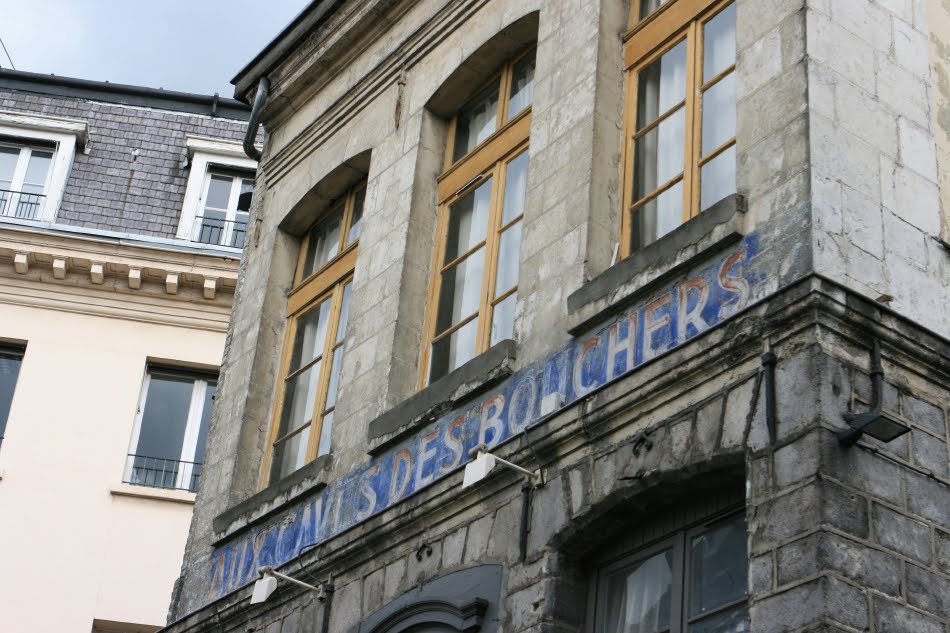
(327, 282)
(487, 161)
(646, 40)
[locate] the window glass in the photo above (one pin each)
(290, 453)
(206, 408)
(649, 6)
(36, 171)
(219, 192)
(453, 350)
(717, 568)
(476, 121)
(639, 597)
(659, 154)
(164, 417)
(503, 318)
(516, 186)
(247, 193)
(8, 160)
(324, 242)
(460, 294)
(522, 85)
(468, 222)
(9, 371)
(357, 218)
(719, 43)
(719, 113)
(719, 178)
(661, 85)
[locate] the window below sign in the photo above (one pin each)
(692, 581)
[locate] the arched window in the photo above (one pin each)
(680, 122)
(317, 311)
(474, 287)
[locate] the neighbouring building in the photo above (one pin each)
(685, 262)
(123, 212)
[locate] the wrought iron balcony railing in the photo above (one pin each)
(220, 232)
(18, 204)
(157, 472)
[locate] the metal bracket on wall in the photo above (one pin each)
(769, 361)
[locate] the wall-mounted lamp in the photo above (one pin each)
(484, 462)
(267, 584)
(874, 422)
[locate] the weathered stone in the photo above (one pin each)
(901, 533)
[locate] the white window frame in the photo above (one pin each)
(22, 130)
(230, 214)
(189, 442)
(205, 154)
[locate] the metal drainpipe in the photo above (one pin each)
(328, 590)
(254, 122)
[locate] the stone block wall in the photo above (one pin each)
(878, 212)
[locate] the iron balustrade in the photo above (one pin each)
(19, 204)
(158, 472)
(221, 232)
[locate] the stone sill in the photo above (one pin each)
(474, 377)
(158, 494)
(307, 479)
(629, 280)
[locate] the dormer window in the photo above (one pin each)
(36, 154)
(218, 195)
(226, 203)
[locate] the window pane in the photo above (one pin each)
(8, 161)
(205, 421)
(717, 568)
(658, 217)
(461, 291)
(733, 621)
(36, 171)
(344, 313)
(219, 191)
(719, 43)
(324, 243)
(468, 222)
(503, 319)
(476, 121)
(661, 85)
(453, 351)
(516, 184)
(508, 259)
(336, 361)
(639, 597)
(311, 335)
(164, 417)
(247, 192)
(9, 370)
(719, 113)
(239, 230)
(649, 6)
(659, 154)
(718, 178)
(355, 223)
(522, 85)
(290, 454)
(211, 229)
(299, 399)
(326, 435)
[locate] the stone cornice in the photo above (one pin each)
(80, 273)
(309, 70)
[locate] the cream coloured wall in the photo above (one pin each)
(75, 546)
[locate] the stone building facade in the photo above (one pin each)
(732, 225)
(117, 272)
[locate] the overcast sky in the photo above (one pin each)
(187, 45)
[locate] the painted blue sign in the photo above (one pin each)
(672, 316)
